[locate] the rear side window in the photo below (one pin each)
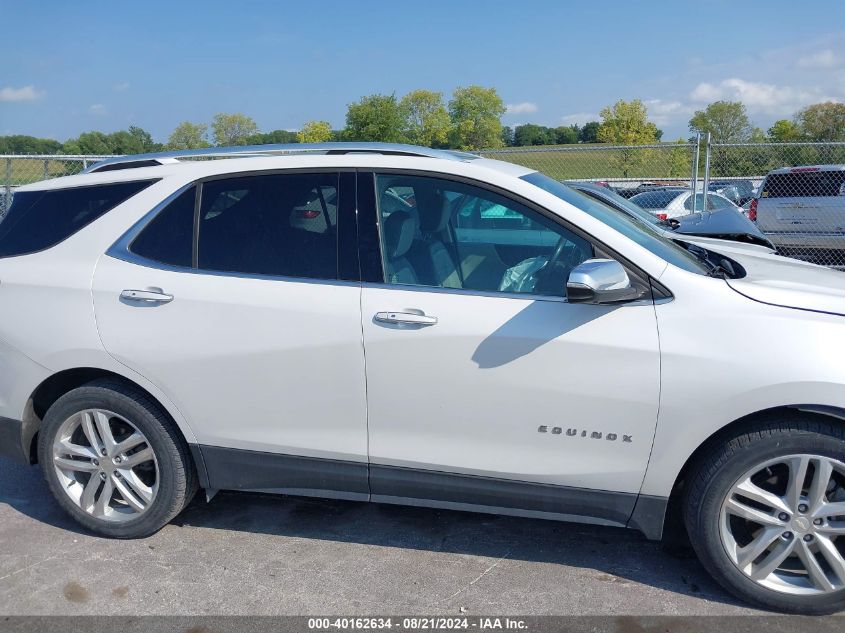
(655, 199)
(38, 220)
(168, 238)
(278, 224)
(814, 184)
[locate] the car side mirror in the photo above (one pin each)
(600, 281)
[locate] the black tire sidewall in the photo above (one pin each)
(705, 530)
(171, 478)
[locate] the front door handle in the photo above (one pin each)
(405, 318)
(146, 296)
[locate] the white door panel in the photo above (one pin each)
(260, 364)
(469, 393)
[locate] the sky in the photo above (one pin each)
(72, 67)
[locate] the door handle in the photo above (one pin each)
(405, 318)
(146, 296)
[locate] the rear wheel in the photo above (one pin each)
(114, 461)
(765, 511)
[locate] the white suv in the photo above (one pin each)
(802, 210)
(403, 325)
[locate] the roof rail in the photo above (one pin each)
(393, 149)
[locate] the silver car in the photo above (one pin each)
(802, 210)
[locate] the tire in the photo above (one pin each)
(163, 481)
(715, 513)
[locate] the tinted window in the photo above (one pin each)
(283, 225)
(713, 202)
(612, 198)
(643, 234)
(654, 199)
(38, 220)
(804, 184)
(442, 233)
(168, 238)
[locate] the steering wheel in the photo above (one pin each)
(551, 277)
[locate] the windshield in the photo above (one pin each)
(650, 238)
(624, 203)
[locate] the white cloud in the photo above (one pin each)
(526, 107)
(123, 86)
(579, 118)
(825, 59)
(757, 96)
(98, 108)
(663, 112)
(26, 93)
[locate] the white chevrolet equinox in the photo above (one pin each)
(403, 325)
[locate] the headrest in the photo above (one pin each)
(434, 210)
(400, 228)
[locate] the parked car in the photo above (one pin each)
(500, 344)
(629, 192)
(673, 202)
(802, 210)
(737, 191)
(721, 224)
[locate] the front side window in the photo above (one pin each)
(447, 234)
(650, 238)
(38, 220)
(277, 224)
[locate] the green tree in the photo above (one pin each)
(315, 132)
(232, 129)
(188, 135)
(566, 134)
(626, 123)
(507, 136)
(589, 133)
(375, 118)
(531, 134)
(426, 119)
(822, 121)
(21, 144)
(89, 143)
(476, 114)
(274, 137)
(680, 159)
(784, 131)
(727, 122)
(144, 140)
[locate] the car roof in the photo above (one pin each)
(807, 169)
(385, 156)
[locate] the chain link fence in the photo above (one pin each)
(22, 170)
(794, 192)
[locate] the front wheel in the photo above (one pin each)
(114, 460)
(765, 511)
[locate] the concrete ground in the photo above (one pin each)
(259, 554)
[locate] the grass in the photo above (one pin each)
(595, 162)
(27, 170)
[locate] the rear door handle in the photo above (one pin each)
(405, 318)
(146, 296)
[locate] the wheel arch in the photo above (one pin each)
(61, 382)
(672, 525)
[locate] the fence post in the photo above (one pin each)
(7, 198)
(706, 173)
(46, 168)
(694, 178)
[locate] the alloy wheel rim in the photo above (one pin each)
(105, 465)
(782, 524)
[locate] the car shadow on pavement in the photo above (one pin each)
(615, 555)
